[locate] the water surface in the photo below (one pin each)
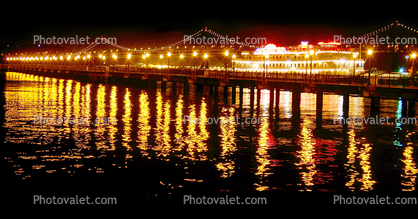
(151, 147)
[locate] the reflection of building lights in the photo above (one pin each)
(366, 179)
(262, 155)
(306, 154)
(112, 114)
(144, 127)
(287, 101)
(340, 106)
(178, 136)
(196, 142)
(228, 145)
(410, 174)
(127, 118)
(351, 156)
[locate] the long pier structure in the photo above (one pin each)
(273, 76)
(374, 87)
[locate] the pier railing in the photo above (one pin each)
(384, 79)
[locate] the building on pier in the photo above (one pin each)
(325, 58)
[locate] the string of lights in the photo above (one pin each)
(156, 49)
(226, 38)
(86, 48)
(195, 35)
(387, 27)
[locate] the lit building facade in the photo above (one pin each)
(325, 58)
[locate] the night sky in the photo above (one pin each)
(155, 29)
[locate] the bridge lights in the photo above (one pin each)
(128, 57)
(181, 57)
(145, 57)
(369, 52)
(161, 63)
(412, 68)
(354, 66)
(168, 59)
(114, 56)
(226, 60)
(233, 64)
(194, 55)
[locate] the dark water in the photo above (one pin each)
(152, 150)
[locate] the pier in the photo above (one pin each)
(151, 121)
(233, 82)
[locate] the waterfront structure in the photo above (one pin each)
(325, 58)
